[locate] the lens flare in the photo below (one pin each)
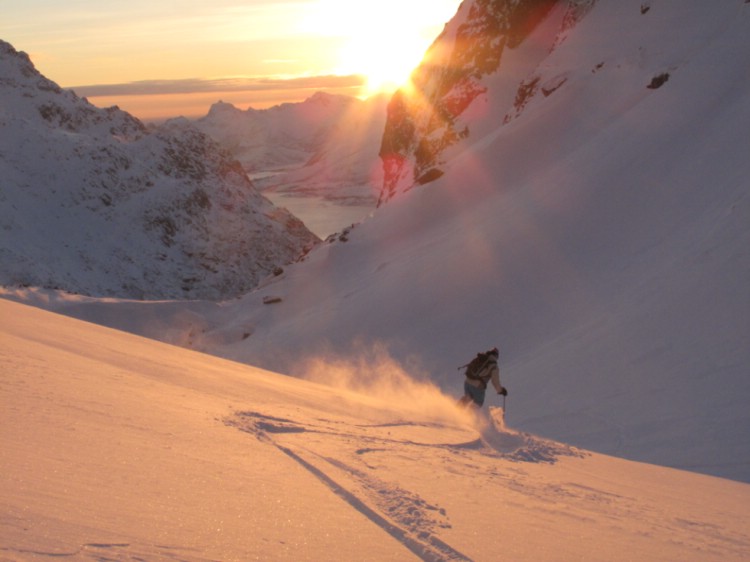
(383, 41)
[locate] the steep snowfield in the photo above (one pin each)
(599, 237)
(119, 447)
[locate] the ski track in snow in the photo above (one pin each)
(407, 517)
(103, 552)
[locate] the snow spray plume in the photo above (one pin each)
(372, 371)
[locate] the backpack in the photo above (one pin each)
(477, 365)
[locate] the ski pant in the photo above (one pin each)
(474, 394)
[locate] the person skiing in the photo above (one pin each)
(481, 370)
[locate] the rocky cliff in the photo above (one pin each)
(432, 113)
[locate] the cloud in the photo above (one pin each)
(235, 84)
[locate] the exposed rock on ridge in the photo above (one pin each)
(426, 118)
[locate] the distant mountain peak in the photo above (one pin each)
(326, 145)
(222, 107)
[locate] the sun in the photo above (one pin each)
(382, 41)
(386, 66)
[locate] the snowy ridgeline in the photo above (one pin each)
(95, 203)
(119, 447)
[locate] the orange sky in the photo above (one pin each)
(177, 57)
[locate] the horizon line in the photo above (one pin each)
(228, 84)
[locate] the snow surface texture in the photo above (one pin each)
(120, 448)
(598, 235)
(93, 202)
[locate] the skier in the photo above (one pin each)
(482, 369)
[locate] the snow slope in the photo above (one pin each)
(118, 447)
(599, 237)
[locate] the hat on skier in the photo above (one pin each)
(494, 352)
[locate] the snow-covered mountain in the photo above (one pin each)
(93, 202)
(592, 220)
(326, 146)
(160, 453)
